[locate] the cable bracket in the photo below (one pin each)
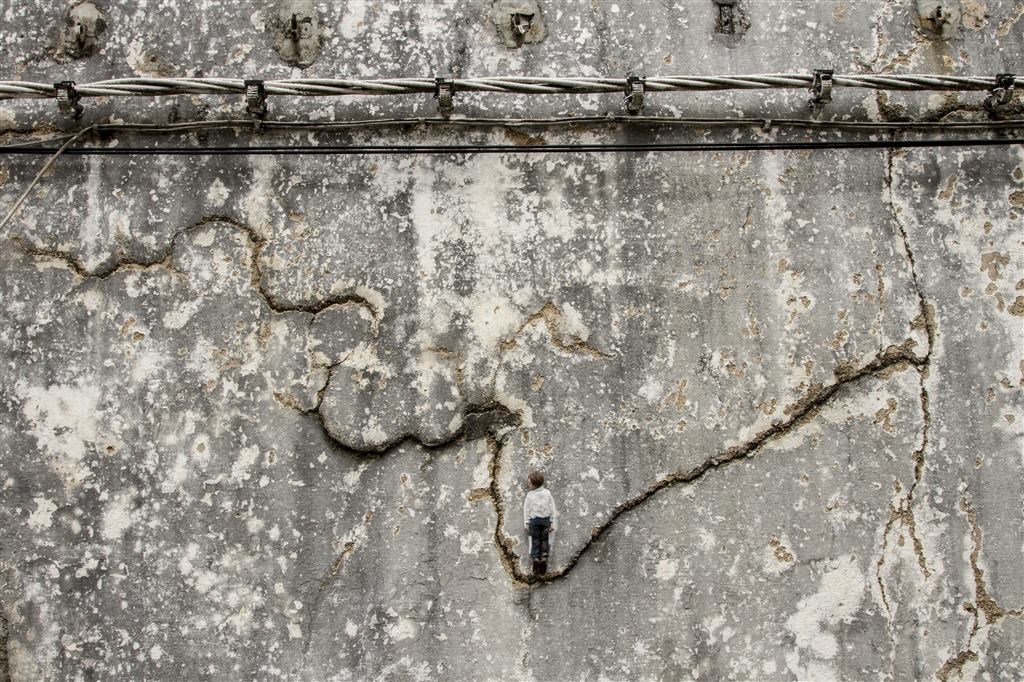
(256, 98)
(1002, 93)
(67, 99)
(635, 91)
(821, 88)
(444, 91)
(521, 24)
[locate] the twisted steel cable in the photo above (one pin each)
(321, 87)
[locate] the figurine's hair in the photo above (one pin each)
(536, 479)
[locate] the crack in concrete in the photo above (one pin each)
(895, 358)
(984, 603)
(477, 420)
(550, 314)
(955, 665)
(325, 582)
(256, 243)
(901, 58)
(983, 600)
(507, 555)
(80, 270)
(902, 511)
(881, 588)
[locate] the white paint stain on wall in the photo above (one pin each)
(241, 470)
(837, 600)
(90, 231)
(666, 569)
(117, 517)
(217, 193)
(63, 420)
(42, 517)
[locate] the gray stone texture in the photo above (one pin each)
(269, 417)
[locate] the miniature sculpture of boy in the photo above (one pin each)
(540, 517)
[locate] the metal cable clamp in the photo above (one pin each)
(1002, 94)
(821, 88)
(444, 91)
(256, 98)
(634, 94)
(67, 99)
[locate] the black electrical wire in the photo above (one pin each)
(200, 150)
(764, 124)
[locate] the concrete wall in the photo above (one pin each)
(269, 417)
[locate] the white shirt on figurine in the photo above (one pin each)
(540, 503)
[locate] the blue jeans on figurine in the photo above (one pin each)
(540, 527)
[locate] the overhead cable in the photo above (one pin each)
(320, 87)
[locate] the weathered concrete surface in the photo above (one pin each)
(269, 417)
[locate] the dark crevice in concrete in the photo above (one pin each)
(984, 603)
(503, 543)
(902, 511)
(893, 359)
(550, 314)
(323, 389)
(983, 600)
(290, 402)
(486, 420)
(72, 264)
(954, 666)
(918, 456)
(481, 419)
(876, 66)
(926, 317)
(881, 587)
(256, 243)
(478, 421)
